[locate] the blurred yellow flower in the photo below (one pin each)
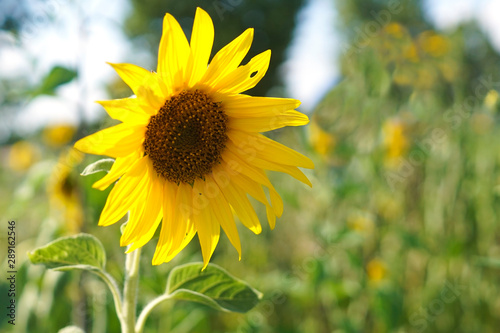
(403, 76)
(189, 148)
(449, 69)
(395, 141)
(360, 223)
(321, 141)
(491, 100)
(22, 155)
(64, 197)
(376, 270)
(388, 206)
(433, 44)
(396, 30)
(426, 77)
(58, 135)
(411, 53)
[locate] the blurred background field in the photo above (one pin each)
(400, 232)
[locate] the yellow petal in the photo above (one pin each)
(260, 163)
(134, 217)
(165, 240)
(255, 190)
(126, 110)
(238, 165)
(222, 213)
(151, 96)
(244, 106)
(173, 53)
(268, 149)
(129, 190)
(202, 39)
(141, 231)
(207, 227)
(228, 58)
(264, 124)
(276, 202)
(132, 75)
(245, 77)
(248, 185)
(271, 217)
(117, 141)
(142, 239)
(241, 205)
(190, 232)
(120, 166)
(288, 169)
(178, 232)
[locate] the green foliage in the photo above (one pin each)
(101, 165)
(57, 76)
(212, 286)
(82, 251)
(356, 13)
(415, 126)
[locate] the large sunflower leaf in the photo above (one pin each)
(82, 251)
(213, 287)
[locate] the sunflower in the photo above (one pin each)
(64, 197)
(395, 140)
(189, 148)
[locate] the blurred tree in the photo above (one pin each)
(13, 15)
(273, 22)
(355, 12)
(362, 20)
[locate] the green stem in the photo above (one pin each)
(147, 310)
(113, 287)
(130, 290)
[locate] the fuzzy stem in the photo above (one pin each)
(147, 310)
(130, 290)
(113, 287)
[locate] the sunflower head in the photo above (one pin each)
(185, 139)
(189, 149)
(58, 135)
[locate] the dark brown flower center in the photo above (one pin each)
(186, 137)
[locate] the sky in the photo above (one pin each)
(90, 36)
(447, 14)
(311, 66)
(77, 37)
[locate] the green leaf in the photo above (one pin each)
(57, 76)
(82, 251)
(213, 287)
(102, 165)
